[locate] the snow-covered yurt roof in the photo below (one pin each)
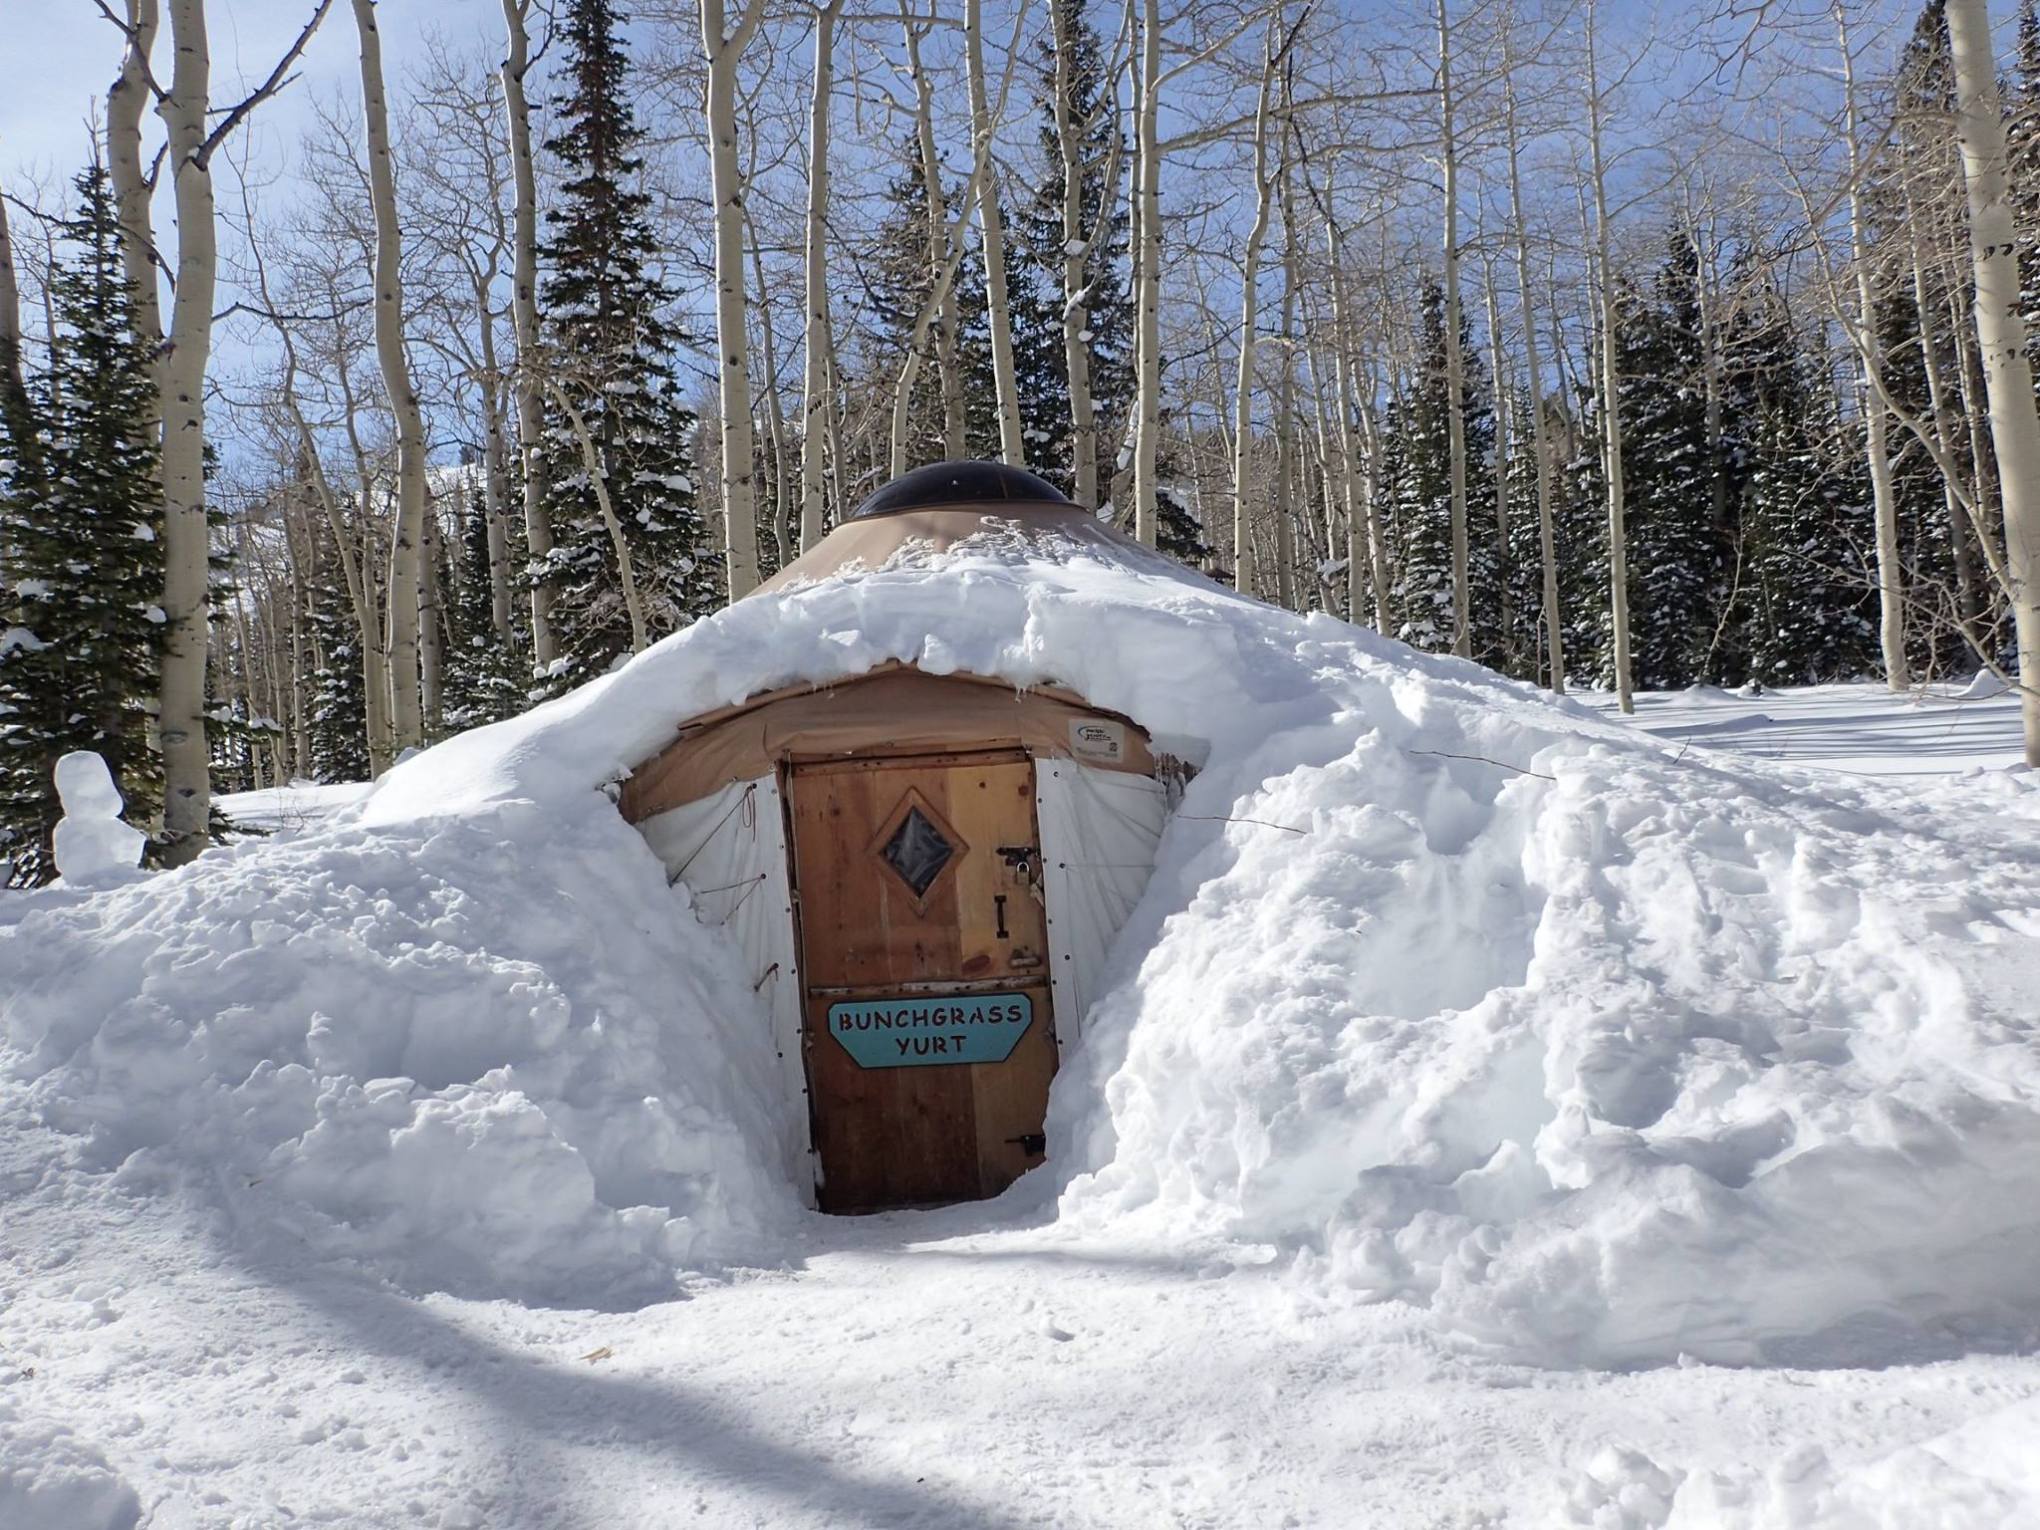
(1442, 990)
(901, 705)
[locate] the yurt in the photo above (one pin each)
(923, 871)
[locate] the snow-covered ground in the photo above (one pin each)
(1452, 1160)
(1861, 728)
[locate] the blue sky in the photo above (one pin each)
(58, 56)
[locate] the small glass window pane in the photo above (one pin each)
(917, 851)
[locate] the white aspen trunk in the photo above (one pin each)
(126, 101)
(1012, 444)
(1335, 469)
(936, 302)
(1554, 627)
(187, 780)
(407, 707)
(495, 471)
(1496, 364)
(1953, 499)
(1076, 314)
(1883, 494)
(941, 241)
(538, 537)
(626, 571)
(10, 309)
(1611, 409)
(1356, 483)
(1244, 571)
(1147, 277)
(817, 406)
(431, 635)
(2001, 335)
(1286, 463)
(1455, 380)
(775, 414)
(361, 593)
(13, 377)
(1710, 378)
(723, 50)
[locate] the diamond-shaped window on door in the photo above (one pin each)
(917, 851)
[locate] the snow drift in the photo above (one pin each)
(1604, 1052)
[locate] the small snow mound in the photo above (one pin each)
(90, 841)
(1621, 1489)
(1983, 1475)
(1983, 686)
(1712, 694)
(52, 1480)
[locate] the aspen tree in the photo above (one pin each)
(10, 305)
(598, 479)
(1884, 498)
(1286, 463)
(942, 239)
(1147, 277)
(1075, 263)
(1012, 444)
(126, 100)
(1497, 371)
(310, 471)
(1245, 574)
(2001, 335)
(186, 108)
(1610, 378)
(1554, 625)
(817, 406)
(407, 709)
(723, 48)
(538, 538)
(1455, 364)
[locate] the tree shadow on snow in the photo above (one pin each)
(697, 1449)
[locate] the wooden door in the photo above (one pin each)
(924, 946)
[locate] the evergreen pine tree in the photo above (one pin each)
(1416, 484)
(1035, 284)
(899, 284)
(1800, 592)
(1676, 552)
(610, 347)
(78, 663)
(337, 720)
(482, 681)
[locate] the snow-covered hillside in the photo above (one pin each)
(1467, 1054)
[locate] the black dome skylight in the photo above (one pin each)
(960, 483)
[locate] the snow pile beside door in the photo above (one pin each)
(478, 1055)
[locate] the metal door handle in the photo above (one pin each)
(999, 900)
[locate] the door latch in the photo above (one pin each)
(1021, 858)
(1033, 1144)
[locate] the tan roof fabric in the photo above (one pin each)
(898, 710)
(871, 542)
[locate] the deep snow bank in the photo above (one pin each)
(489, 1054)
(1602, 1050)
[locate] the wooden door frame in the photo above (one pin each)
(905, 759)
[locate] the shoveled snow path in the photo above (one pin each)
(917, 1369)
